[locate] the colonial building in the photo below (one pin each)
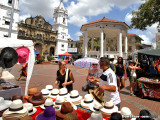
(40, 31)
(5, 15)
(60, 25)
(111, 37)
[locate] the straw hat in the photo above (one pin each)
(36, 99)
(23, 55)
(45, 92)
(74, 97)
(16, 107)
(64, 93)
(48, 114)
(49, 87)
(96, 107)
(125, 111)
(15, 97)
(30, 108)
(9, 57)
(54, 93)
(4, 104)
(6, 75)
(48, 102)
(98, 94)
(31, 91)
(109, 108)
(58, 102)
(87, 102)
(65, 108)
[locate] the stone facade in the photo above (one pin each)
(40, 32)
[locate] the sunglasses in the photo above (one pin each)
(94, 64)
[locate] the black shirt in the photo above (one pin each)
(61, 79)
(120, 70)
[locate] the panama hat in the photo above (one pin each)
(45, 92)
(58, 102)
(109, 108)
(125, 111)
(48, 102)
(36, 99)
(30, 108)
(6, 75)
(4, 104)
(74, 97)
(87, 102)
(96, 107)
(49, 87)
(64, 93)
(97, 94)
(16, 107)
(9, 57)
(23, 55)
(65, 108)
(48, 114)
(54, 93)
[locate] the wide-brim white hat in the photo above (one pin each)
(65, 96)
(109, 111)
(53, 96)
(87, 105)
(5, 105)
(43, 107)
(93, 108)
(79, 98)
(33, 112)
(23, 110)
(56, 107)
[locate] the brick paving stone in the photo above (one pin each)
(46, 74)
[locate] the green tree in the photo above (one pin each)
(147, 14)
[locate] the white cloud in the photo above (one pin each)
(23, 17)
(77, 20)
(128, 18)
(77, 34)
(146, 39)
(65, 0)
(38, 7)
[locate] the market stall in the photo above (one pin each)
(15, 43)
(65, 56)
(149, 81)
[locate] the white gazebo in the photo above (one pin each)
(112, 34)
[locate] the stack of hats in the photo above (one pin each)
(58, 103)
(74, 97)
(65, 108)
(16, 111)
(31, 91)
(87, 102)
(108, 108)
(49, 87)
(48, 114)
(4, 104)
(45, 93)
(54, 93)
(63, 92)
(37, 99)
(125, 111)
(29, 106)
(48, 103)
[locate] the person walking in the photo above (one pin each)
(23, 71)
(120, 73)
(64, 77)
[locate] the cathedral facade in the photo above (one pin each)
(40, 32)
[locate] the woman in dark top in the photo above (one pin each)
(120, 73)
(61, 75)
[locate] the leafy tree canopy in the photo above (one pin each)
(147, 14)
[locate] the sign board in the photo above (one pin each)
(72, 50)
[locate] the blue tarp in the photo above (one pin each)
(35, 52)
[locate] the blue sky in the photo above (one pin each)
(84, 11)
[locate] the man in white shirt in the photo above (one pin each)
(108, 82)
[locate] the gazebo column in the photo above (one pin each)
(83, 44)
(101, 50)
(120, 43)
(86, 44)
(104, 46)
(126, 46)
(92, 43)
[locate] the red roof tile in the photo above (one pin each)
(130, 34)
(104, 20)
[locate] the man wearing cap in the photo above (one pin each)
(108, 82)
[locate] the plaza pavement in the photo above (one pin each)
(45, 74)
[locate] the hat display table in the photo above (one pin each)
(149, 87)
(9, 89)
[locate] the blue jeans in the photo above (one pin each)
(119, 106)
